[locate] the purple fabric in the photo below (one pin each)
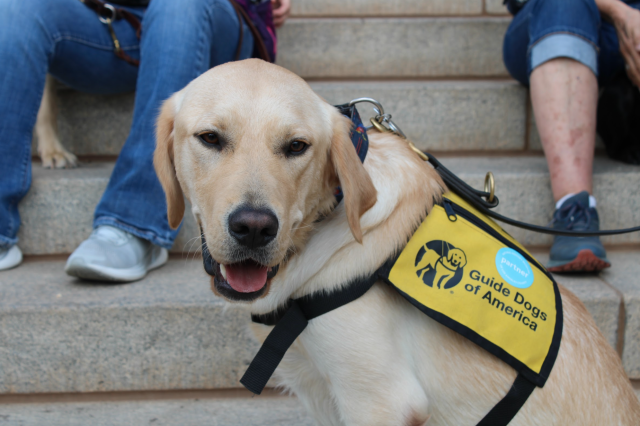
(262, 17)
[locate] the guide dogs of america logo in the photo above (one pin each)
(439, 262)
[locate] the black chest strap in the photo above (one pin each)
(289, 323)
(291, 320)
(505, 410)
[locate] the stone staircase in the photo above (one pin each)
(164, 350)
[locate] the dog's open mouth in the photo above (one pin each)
(242, 281)
(245, 277)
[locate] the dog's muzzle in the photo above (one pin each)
(246, 275)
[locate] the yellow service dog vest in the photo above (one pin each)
(461, 269)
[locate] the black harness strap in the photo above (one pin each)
(290, 322)
(273, 349)
(505, 410)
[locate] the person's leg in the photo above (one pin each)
(564, 89)
(564, 94)
(36, 37)
(561, 63)
(179, 42)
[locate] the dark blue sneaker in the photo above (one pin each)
(577, 254)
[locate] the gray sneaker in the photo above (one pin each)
(10, 257)
(111, 254)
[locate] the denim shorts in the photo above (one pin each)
(547, 29)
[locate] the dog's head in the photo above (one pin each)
(456, 259)
(258, 154)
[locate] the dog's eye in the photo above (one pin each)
(297, 147)
(210, 138)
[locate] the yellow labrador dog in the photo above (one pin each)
(258, 155)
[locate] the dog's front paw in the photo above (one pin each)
(58, 158)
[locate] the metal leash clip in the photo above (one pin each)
(382, 123)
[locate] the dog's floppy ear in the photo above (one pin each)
(163, 162)
(359, 192)
(463, 263)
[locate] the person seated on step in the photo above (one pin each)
(563, 50)
(179, 41)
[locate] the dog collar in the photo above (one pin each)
(359, 137)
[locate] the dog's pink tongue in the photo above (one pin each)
(246, 277)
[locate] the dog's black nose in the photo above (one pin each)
(253, 228)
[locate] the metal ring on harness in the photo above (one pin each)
(395, 129)
(108, 21)
(490, 186)
(383, 119)
(379, 127)
(378, 107)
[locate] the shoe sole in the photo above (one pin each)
(78, 268)
(585, 261)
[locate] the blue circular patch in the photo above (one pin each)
(514, 268)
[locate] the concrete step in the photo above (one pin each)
(437, 115)
(57, 213)
(495, 7)
(169, 332)
(623, 276)
(393, 47)
(359, 8)
(185, 412)
(202, 410)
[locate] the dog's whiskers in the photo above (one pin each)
(191, 242)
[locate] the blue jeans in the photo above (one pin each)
(180, 40)
(547, 29)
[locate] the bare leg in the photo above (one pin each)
(564, 94)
